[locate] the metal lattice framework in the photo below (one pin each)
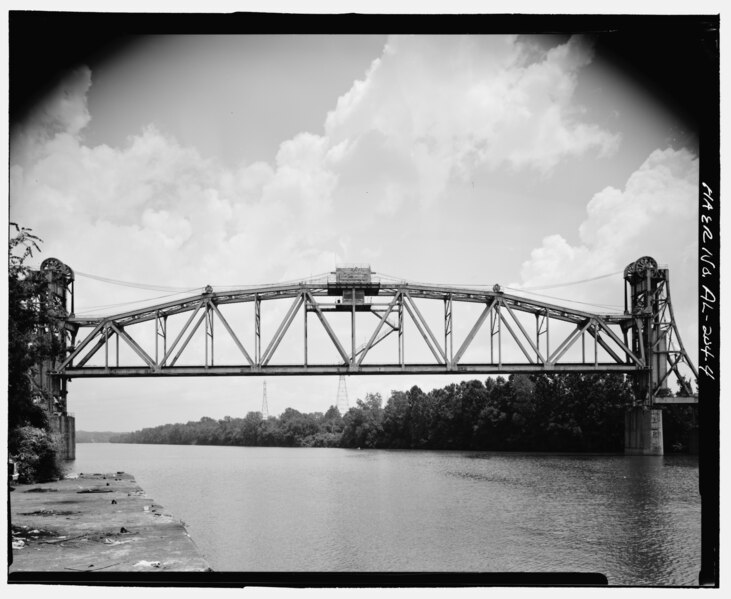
(516, 334)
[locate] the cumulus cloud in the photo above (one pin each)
(155, 208)
(654, 215)
(430, 109)
(448, 104)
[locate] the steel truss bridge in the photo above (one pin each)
(454, 330)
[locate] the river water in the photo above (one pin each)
(635, 519)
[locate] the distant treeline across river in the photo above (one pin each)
(545, 412)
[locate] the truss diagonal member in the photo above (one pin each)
(569, 341)
(103, 338)
(673, 368)
(522, 330)
(439, 358)
(424, 327)
(377, 330)
(233, 335)
(594, 333)
(171, 349)
(81, 346)
(515, 337)
(669, 304)
(619, 342)
(282, 330)
(381, 337)
(333, 337)
(388, 322)
(133, 344)
(188, 338)
(475, 328)
(665, 335)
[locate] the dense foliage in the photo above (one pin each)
(291, 429)
(569, 412)
(30, 442)
(557, 412)
(36, 454)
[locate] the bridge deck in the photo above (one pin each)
(300, 370)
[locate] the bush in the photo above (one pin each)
(37, 455)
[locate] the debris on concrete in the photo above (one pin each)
(64, 528)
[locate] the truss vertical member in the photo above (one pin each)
(264, 404)
(342, 398)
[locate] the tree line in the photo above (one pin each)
(546, 412)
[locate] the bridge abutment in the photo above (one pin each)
(643, 431)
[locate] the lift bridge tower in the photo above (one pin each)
(49, 391)
(655, 338)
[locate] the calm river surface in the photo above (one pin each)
(635, 519)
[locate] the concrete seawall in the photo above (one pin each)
(96, 523)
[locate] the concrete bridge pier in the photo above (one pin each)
(643, 431)
(64, 427)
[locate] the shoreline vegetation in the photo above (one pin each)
(545, 413)
(33, 339)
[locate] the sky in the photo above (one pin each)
(180, 161)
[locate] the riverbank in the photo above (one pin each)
(96, 522)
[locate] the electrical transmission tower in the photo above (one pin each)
(342, 399)
(264, 405)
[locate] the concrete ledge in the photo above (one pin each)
(96, 522)
(683, 401)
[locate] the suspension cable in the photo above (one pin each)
(130, 284)
(553, 285)
(564, 299)
(120, 304)
(611, 274)
(528, 290)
